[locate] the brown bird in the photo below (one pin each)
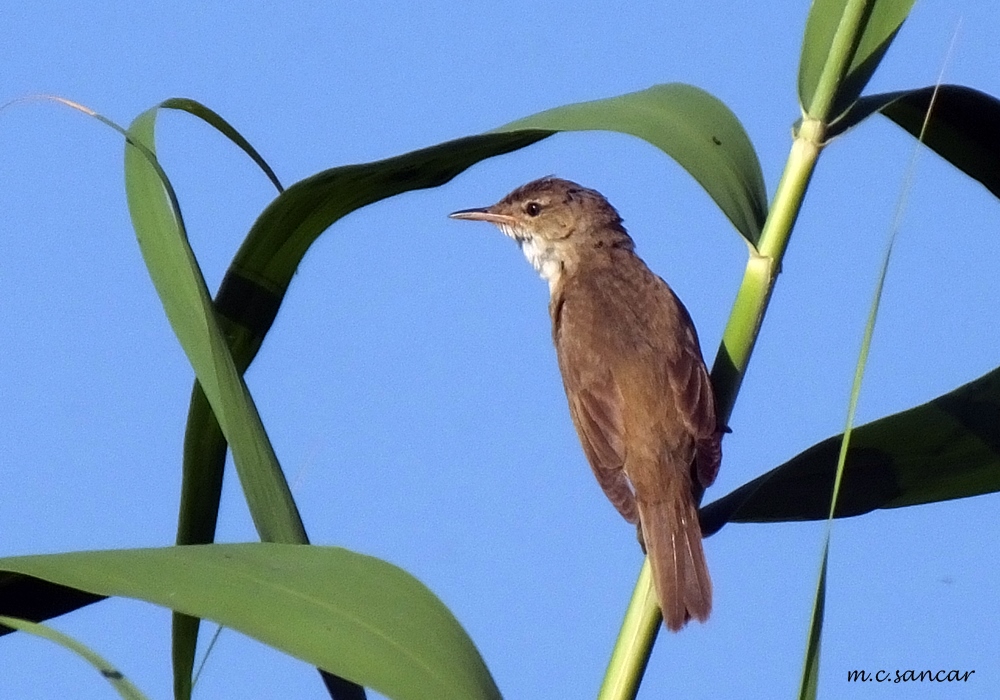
(638, 389)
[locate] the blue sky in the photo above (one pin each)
(409, 384)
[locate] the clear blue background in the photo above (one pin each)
(409, 384)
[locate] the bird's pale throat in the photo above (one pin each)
(543, 255)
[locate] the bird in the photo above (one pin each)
(639, 392)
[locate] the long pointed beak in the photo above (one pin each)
(482, 214)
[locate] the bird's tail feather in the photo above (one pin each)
(672, 537)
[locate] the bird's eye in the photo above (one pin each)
(532, 208)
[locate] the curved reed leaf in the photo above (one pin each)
(689, 125)
(350, 614)
(172, 266)
(844, 43)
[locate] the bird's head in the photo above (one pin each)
(555, 222)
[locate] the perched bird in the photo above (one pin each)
(638, 389)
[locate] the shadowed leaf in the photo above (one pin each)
(964, 128)
(945, 449)
(36, 600)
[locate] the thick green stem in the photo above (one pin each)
(642, 619)
(762, 269)
(635, 641)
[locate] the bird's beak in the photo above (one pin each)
(483, 214)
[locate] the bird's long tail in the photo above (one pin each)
(672, 537)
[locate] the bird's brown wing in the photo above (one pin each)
(595, 406)
(692, 387)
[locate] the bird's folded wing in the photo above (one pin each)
(597, 413)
